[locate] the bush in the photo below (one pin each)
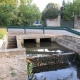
(2, 33)
(50, 12)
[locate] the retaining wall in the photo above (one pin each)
(13, 65)
(69, 42)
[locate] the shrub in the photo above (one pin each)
(2, 33)
(50, 12)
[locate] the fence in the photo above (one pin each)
(43, 28)
(67, 23)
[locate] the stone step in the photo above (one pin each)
(12, 37)
(12, 42)
(13, 45)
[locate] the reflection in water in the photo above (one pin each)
(46, 46)
(62, 74)
(78, 71)
(52, 72)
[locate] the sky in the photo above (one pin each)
(42, 3)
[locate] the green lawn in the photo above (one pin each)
(2, 32)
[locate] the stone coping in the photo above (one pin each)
(74, 46)
(35, 36)
(12, 50)
(19, 39)
(75, 39)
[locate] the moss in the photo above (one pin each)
(11, 68)
(13, 74)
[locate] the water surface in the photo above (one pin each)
(67, 71)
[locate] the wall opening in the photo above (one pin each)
(45, 40)
(29, 43)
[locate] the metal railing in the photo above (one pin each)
(43, 28)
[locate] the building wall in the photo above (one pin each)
(53, 22)
(76, 22)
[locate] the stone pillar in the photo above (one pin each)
(52, 39)
(38, 40)
(22, 42)
(76, 22)
(37, 45)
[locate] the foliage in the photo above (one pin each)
(6, 11)
(50, 12)
(76, 7)
(13, 13)
(63, 3)
(28, 14)
(68, 11)
(2, 33)
(13, 74)
(30, 68)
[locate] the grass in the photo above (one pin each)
(2, 32)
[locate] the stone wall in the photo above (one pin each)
(75, 39)
(69, 42)
(3, 42)
(76, 22)
(53, 22)
(37, 37)
(57, 58)
(13, 64)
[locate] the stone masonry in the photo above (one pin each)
(70, 42)
(53, 22)
(76, 22)
(13, 65)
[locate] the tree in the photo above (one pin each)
(7, 8)
(14, 13)
(76, 7)
(29, 13)
(50, 12)
(68, 11)
(62, 8)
